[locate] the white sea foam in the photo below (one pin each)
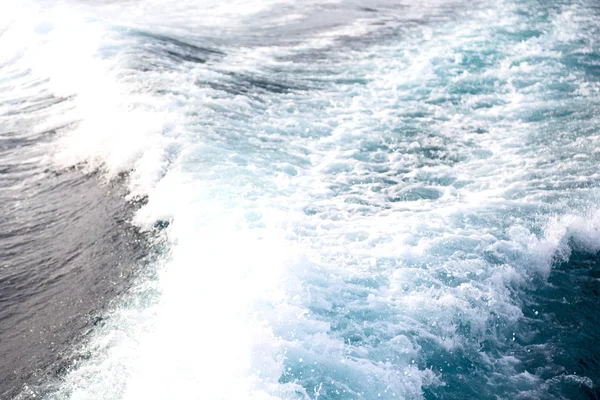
(327, 238)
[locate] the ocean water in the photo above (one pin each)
(348, 199)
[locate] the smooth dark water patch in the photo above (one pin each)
(66, 249)
(156, 51)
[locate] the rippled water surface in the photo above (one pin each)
(355, 199)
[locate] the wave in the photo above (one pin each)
(358, 201)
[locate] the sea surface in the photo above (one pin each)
(277, 199)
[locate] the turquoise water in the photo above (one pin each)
(364, 199)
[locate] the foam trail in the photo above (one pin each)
(355, 209)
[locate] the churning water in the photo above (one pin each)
(350, 199)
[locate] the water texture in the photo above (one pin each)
(359, 199)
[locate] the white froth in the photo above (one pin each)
(380, 198)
